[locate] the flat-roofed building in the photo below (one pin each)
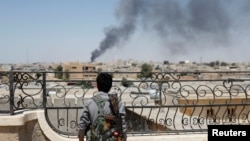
(80, 71)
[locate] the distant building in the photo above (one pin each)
(80, 71)
(3, 77)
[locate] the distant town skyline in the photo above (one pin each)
(144, 30)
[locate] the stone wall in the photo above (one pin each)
(32, 126)
(27, 126)
(30, 131)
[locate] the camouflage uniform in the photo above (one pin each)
(90, 114)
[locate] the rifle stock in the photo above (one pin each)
(118, 123)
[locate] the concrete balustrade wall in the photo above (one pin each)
(30, 131)
(32, 126)
(27, 126)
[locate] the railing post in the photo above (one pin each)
(160, 96)
(44, 90)
(11, 89)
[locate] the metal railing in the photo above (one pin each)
(159, 102)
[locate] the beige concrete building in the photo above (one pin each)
(76, 70)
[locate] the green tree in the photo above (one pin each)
(126, 83)
(146, 71)
(86, 84)
(133, 64)
(66, 75)
(233, 64)
(224, 64)
(212, 64)
(217, 63)
(59, 72)
(38, 75)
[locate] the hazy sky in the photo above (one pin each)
(104, 30)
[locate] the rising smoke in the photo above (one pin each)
(128, 12)
(189, 20)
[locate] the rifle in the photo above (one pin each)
(114, 105)
(113, 122)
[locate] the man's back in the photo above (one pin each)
(92, 110)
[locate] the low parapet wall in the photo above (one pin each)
(32, 126)
(21, 127)
(28, 126)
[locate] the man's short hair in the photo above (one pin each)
(104, 82)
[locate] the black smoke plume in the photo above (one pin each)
(128, 12)
(187, 20)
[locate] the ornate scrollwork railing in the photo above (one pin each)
(161, 102)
